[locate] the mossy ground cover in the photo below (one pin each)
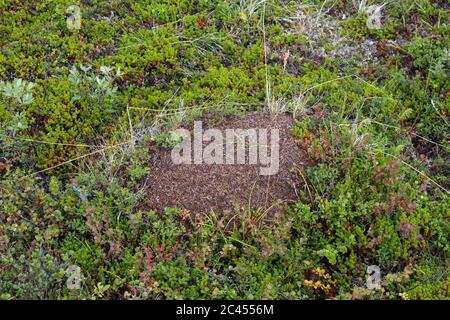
(79, 108)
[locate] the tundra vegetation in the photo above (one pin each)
(80, 106)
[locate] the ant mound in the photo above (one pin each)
(245, 162)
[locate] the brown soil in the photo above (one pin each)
(201, 188)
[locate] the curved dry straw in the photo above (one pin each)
(75, 159)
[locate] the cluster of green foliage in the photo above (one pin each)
(375, 191)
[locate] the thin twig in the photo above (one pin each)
(74, 159)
